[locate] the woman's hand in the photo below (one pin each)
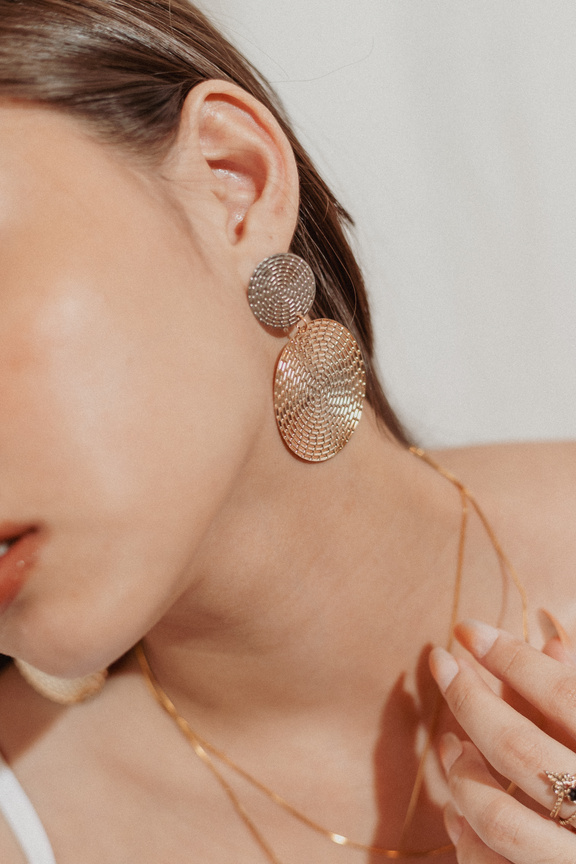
(487, 825)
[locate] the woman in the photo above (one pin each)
(284, 601)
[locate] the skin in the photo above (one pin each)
(486, 824)
(285, 606)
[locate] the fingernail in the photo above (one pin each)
(476, 636)
(454, 823)
(449, 748)
(559, 631)
(444, 668)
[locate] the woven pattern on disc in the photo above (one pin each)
(319, 389)
(65, 691)
(281, 289)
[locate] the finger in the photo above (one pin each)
(501, 823)
(512, 744)
(469, 848)
(551, 623)
(546, 684)
(555, 649)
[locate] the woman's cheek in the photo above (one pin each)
(64, 398)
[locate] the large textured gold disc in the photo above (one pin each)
(281, 290)
(319, 389)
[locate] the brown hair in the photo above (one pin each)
(125, 67)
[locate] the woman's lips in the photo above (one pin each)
(15, 564)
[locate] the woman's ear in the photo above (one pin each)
(232, 158)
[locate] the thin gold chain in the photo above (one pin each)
(435, 720)
(209, 754)
(506, 567)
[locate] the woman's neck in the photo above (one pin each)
(308, 588)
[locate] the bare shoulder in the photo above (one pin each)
(10, 851)
(539, 473)
(528, 490)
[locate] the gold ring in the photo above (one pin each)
(564, 787)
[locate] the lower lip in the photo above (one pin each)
(15, 566)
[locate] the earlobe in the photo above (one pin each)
(247, 163)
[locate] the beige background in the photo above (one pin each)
(449, 131)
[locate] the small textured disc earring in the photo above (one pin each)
(65, 691)
(320, 380)
(282, 290)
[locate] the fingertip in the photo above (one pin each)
(453, 822)
(444, 668)
(557, 650)
(476, 636)
(449, 749)
(557, 629)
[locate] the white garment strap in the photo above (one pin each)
(23, 819)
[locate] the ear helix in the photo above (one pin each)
(320, 380)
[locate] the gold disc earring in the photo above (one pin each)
(282, 290)
(65, 691)
(320, 380)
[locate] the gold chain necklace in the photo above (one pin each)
(210, 755)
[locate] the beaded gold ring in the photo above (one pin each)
(564, 787)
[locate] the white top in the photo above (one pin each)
(23, 819)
